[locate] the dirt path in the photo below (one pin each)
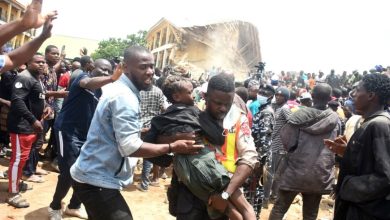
(150, 205)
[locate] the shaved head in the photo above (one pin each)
(132, 52)
(321, 93)
(102, 67)
(102, 62)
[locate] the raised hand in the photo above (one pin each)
(117, 72)
(46, 31)
(32, 18)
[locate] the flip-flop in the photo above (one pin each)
(18, 202)
(41, 172)
(34, 178)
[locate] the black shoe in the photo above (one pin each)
(23, 187)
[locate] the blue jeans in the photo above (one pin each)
(146, 168)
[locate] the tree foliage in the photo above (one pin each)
(114, 47)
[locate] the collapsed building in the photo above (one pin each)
(232, 46)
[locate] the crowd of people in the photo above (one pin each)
(235, 147)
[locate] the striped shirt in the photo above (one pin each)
(281, 115)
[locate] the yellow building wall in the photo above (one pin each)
(10, 13)
(72, 45)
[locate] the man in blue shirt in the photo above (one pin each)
(71, 129)
(104, 166)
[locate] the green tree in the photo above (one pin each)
(113, 47)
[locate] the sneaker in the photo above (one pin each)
(54, 214)
(17, 201)
(79, 213)
(141, 188)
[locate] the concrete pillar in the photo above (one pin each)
(164, 58)
(9, 10)
(158, 59)
(168, 35)
(23, 38)
(160, 39)
(154, 41)
(18, 13)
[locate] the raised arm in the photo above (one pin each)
(32, 19)
(100, 81)
(24, 53)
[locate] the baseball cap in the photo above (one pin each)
(305, 95)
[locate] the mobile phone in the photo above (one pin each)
(63, 49)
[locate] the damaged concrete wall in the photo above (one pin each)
(232, 46)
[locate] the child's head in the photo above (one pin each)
(178, 90)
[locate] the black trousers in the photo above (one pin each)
(101, 203)
(68, 151)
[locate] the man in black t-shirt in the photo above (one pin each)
(24, 122)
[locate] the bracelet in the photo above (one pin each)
(170, 149)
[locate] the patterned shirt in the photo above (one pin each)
(263, 126)
(281, 115)
(152, 104)
(49, 80)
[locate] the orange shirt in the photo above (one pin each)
(312, 83)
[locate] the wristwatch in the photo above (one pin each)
(225, 195)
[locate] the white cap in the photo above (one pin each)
(305, 95)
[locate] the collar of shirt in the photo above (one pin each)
(130, 84)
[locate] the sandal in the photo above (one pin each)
(41, 172)
(18, 202)
(34, 178)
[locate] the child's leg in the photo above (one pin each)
(242, 205)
